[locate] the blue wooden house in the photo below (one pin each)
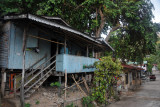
(51, 48)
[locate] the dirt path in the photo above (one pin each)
(7, 103)
(147, 96)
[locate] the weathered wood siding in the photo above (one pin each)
(16, 41)
(74, 64)
(4, 45)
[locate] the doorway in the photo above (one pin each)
(53, 47)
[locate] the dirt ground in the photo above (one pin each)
(6, 103)
(48, 97)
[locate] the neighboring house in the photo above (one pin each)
(154, 68)
(130, 77)
(52, 47)
(143, 66)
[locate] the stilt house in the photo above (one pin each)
(43, 46)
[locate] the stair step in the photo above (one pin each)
(37, 86)
(40, 83)
(32, 91)
(27, 96)
(44, 79)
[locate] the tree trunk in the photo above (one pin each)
(98, 32)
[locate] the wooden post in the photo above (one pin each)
(78, 85)
(42, 72)
(87, 51)
(59, 89)
(93, 51)
(23, 71)
(15, 93)
(3, 82)
(65, 87)
(86, 85)
(57, 49)
(96, 55)
(65, 45)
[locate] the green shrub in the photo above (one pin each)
(55, 84)
(37, 102)
(70, 105)
(27, 105)
(87, 101)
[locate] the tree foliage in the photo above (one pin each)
(105, 77)
(137, 37)
(150, 61)
(128, 20)
(154, 58)
(19, 6)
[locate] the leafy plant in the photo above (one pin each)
(27, 105)
(37, 102)
(105, 77)
(116, 97)
(70, 105)
(55, 84)
(87, 101)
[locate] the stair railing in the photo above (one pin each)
(27, 70)
(39, 67)
(39, 74)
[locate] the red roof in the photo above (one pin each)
(127, 66)
(154, 64)
(132, 67)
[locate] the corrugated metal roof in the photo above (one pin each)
(56, 18)
(50, 23)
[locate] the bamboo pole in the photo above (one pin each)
(78, 86)
(93, 51)
(59, 88)
(23, 71)
(57, 49)
(87, 51)
(73, 85)
(45, 39)
(65, 87)
(65, 45)
(85, 83)
(15, 93)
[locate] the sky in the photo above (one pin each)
(156, 12)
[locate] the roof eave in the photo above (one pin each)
(50, 23)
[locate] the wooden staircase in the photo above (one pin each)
(35, 78)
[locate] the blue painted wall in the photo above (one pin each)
(15, 50)
(73, 49)
(73, 64)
